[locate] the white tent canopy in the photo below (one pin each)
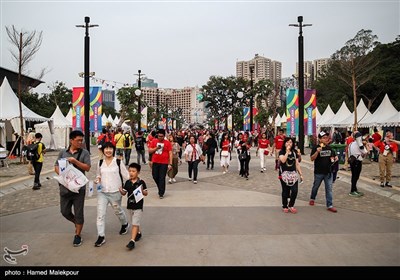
(326, 117)
(342, 114)
(317, 115)
(61, 128)
(9, 112)
(9, 109)
(385, 115)
(362, 114)
(69, 115)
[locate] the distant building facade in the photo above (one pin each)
(264, 69)
(109, 98)
(185, 100)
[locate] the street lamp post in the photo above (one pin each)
(251, 97)
(138, 92)
(239, 96)
(87, 84)
(157, 107)
(166, 113)
(301, 81)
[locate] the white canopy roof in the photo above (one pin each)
(69, 115)
(385, 115)
(9, 103)
(317, 115)
(342, 114)
(58, 119)
(278, 120)
(362, 114)
(326, 116)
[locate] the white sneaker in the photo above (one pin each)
(190, 179)
(170, 180)
(173, 180)
(194, 182)
(223, 172)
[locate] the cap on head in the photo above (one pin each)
(322, 134)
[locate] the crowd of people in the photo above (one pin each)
(116, 176)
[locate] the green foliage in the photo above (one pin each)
(374, 66)
(108, 110)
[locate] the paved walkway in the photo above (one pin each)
(223, 220)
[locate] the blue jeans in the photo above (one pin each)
(328, 187)
(103, 199)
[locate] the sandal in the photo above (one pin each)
(285, 210)
(293, 210)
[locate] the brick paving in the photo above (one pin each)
(17, 195)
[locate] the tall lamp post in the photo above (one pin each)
(138, 92)
(157, 107)
(251, 97)
(87, 84)
(301, 81)
(239, 96)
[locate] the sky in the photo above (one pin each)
(183, 43)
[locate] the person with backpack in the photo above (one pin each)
(127, 146)
(35, 155)
(111, 176)
(119, 141)
(139, 145)
(80, 159)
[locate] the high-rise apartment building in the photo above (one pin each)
(308, 73)
(109, 98)
(185, 99)
(264, 68)
(319, 65)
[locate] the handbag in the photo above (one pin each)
(242, 156)
(289, 177)
(352, 159)
(224, 153)
(266, 152)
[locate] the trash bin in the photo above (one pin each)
(339, 149)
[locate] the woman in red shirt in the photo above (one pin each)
(263, 150)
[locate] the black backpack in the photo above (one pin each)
(119, 168)
(31, 152)
(127, 140)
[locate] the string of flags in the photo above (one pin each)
(112, 84)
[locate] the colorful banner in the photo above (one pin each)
(246, 118)
(310, 112)
(230, 122)
(292, 112)
(143, 119)
(78, 108)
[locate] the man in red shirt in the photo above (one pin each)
(375, 138)
(161, 151)
(387, 156)
(278, 142)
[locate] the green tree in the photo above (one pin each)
(27, 44)
(222, 97)
(108, 110)
(353, 63)
(129, 109)
(60, 96)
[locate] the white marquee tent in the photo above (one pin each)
(342, 114)
(61, 127)
(325, 117)
(385, 115)
(362, 114)
(9, 113)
